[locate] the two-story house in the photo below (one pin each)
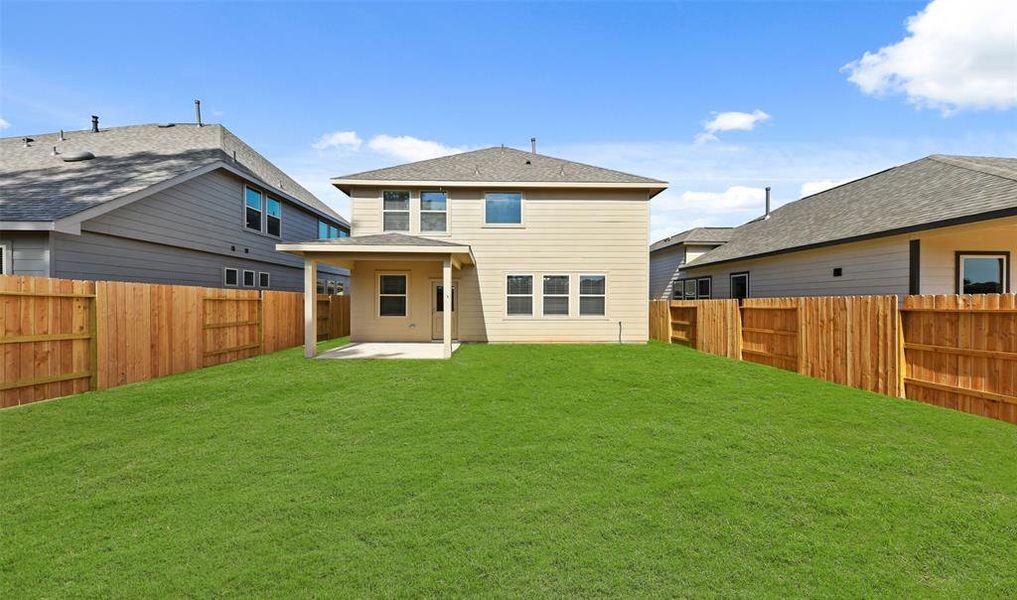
(176, 203)
(520, 247)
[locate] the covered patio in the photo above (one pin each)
(391, 258)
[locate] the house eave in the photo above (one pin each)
(345, 185)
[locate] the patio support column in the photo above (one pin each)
(446, 315)
(310, 307)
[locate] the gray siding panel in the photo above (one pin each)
(664, 265)
(103, 257)
(30, 252)
(207, 214)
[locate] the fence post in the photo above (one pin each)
(93, 341)
(261, 324)
(901, 358)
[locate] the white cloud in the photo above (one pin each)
(347, 140)
(734, 199)
(4, 124)
(814, 187)
(730, 121)
(408, 148)
(957, 54)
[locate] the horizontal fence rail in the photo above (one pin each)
(957, 351)
(60, 337)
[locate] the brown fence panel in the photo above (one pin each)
(232, 325)
(47, 338)
(718, 328)
(283, 315)
(660, 325)
(770, 332)
(683, 316)
(961, 352)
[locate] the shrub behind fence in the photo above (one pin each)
(61, 337)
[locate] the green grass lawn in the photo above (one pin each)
(536, 471)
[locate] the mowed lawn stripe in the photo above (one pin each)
(510, 470)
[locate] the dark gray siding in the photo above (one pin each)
(105, 257)
(30, 252)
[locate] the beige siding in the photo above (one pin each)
(564, 232)
(939, 248)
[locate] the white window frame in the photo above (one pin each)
(408, 211)
(260, 209)
(567, 295)
(7, 264)
(748, 283)
(581, 295)
(265, 215)
(254, 278)
(378, 294)
(533, 286)
(225, 281)
(998, 255)
(709, 279)
(421, 212)
(268, 279)
(522, 210)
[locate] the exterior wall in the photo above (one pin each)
(366, 325)
(30, 252)
(938, 273)
(664, 265)
(186, 235)
(564, 232)
(872, 267)
(869, 268)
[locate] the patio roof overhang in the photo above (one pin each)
(344, 252)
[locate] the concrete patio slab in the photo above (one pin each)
(388, 350)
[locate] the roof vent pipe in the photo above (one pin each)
(95, 124)
(197, 112)
(62, 138)
(533, 145)
(767, 216)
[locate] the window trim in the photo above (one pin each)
(421, 212)
(254, 278)
(567, 296)
(266, 216)
(958, 269)
(532, 313)
(378, 294)
(580, 295)
(268, 280)
(408, 211)
(7, 264)
(680, 284)
(522, 210)
(225, 271)
(261, 209)
(748, 283)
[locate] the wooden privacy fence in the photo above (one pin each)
(953, 351)
(61, 337)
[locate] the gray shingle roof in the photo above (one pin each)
(384, 239)
(500, 164)
(918, 194)
(698, 235)
(37, 186)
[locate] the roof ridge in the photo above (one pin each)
(964, 162)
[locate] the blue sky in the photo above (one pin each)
(720, 99)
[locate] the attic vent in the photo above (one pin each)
(476, 170)
(166, 125)
(562, 171)
(77, 156)
(528, 161)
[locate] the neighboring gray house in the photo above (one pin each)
(669, 255)
(176, 203)
(938, 225)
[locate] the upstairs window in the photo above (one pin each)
(519, 295)
(982, 272)
(556, 295)
(592, 295)
(330, 232)
(503, 208)
(252, 201)
(322, 230)
(396, 211)
(433, 211)
(273, 216)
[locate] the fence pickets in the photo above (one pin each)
(60, 337)
(953, 351)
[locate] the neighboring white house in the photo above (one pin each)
(522, 247)
(938, 225)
